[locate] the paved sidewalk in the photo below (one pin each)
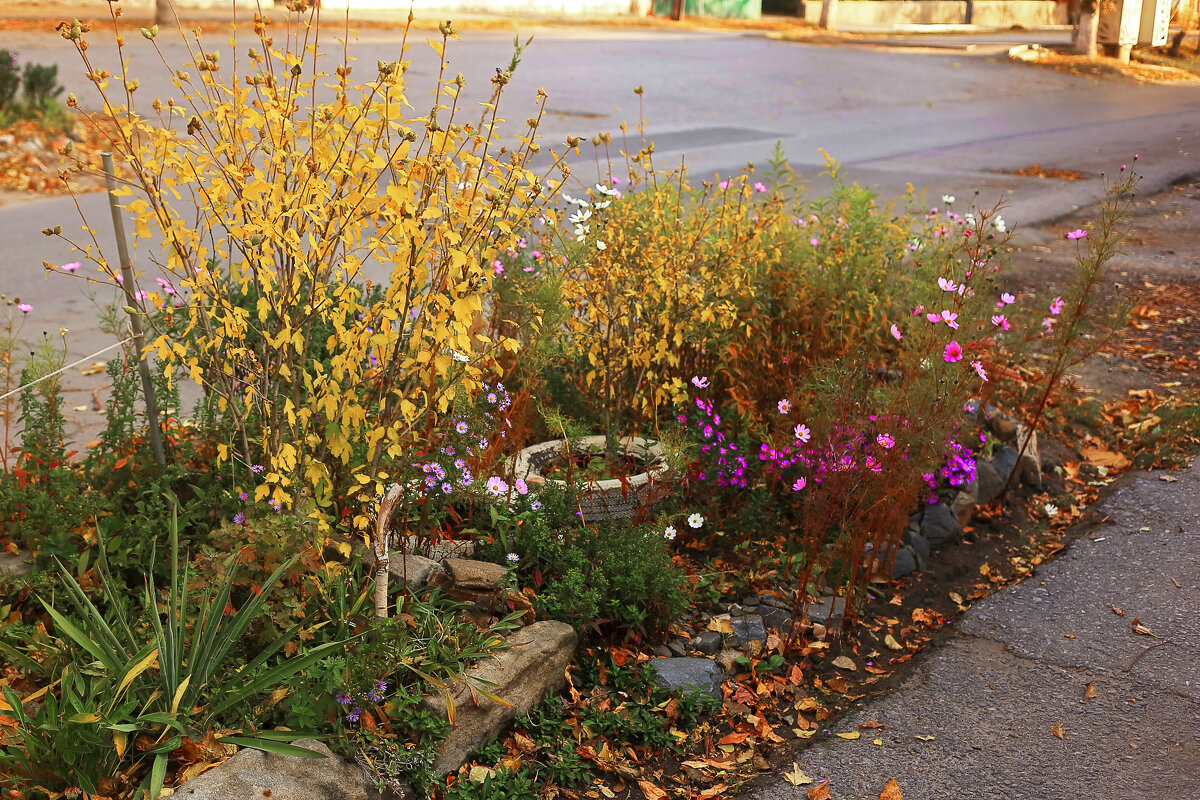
(992, 697)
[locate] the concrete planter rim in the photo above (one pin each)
(623, 496)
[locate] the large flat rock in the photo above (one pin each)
(533, 665)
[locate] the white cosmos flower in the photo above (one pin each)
(1000, 226)
(601, 245)
(461, 356)
(579, 217)
(669, 533)
(1051, 510)
(575, 200)
(948, 199)
(602, 204)
(695, 520)
(604, 190)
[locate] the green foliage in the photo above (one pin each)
(613, 577)
(41, 85)
(10, 79)
(41, 91)
(151, 677)
(500, 784)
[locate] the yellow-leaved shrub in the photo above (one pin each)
(322, 249)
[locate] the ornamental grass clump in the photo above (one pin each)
(326, 289)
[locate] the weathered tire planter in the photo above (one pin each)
(601, 499)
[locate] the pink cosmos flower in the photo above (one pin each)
(71, 266)
(724, 184)
(800, 484)
(1078, 233)
(1001, 322)
(933, 317)
(699, 383)
(1056, 306)
(24, 308)
(953, 353)
(950, 319)
(947, 285)
(979, 370)
(759, 186)
(814, 241)
(896, 334)
(886, 441)
(784, 406)
(803, 434)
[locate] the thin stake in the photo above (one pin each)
(134, 308)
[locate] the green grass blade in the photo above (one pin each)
(270, 746)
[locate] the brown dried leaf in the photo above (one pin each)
(891, 791)
(1089, 691)
(846, 663)
(819, 792)
(891, 643)
(1057, 730)
(651, 791)
(1138, 627)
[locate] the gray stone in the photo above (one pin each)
(253, 775)
(418, 569)
(749, 629)
(1004, 426)
(1031, 460)
(919, 545)
(440, 551)
(988, 481)
(707, 642)
(965, 502)
(778, 600)
(939, 524)
(14, 566)
(1005, 461)
(661, 651)
(533, 665)
(827, 610)
(677, 647)
(701, 674)
(776, 618)
(904, 564)
(468, 574)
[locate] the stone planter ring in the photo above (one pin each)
(600, 499)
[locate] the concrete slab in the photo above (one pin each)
(990, 714)
(993, 699)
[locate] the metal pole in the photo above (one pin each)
(133, 307)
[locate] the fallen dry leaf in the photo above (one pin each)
(712, 791)
(651, 791)
(956, 597)
(1057, 730)
(924, 738)
(891, 643)
(1089, 691)
(1120, 612)
(720, 625)
(1138, 627)
(891, 791)
(819, 792)
(1104, 458)
(842, 662)
(795, 776)
(877, 742)
(851, 736)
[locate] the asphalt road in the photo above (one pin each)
(953, 121)
(980, 716)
